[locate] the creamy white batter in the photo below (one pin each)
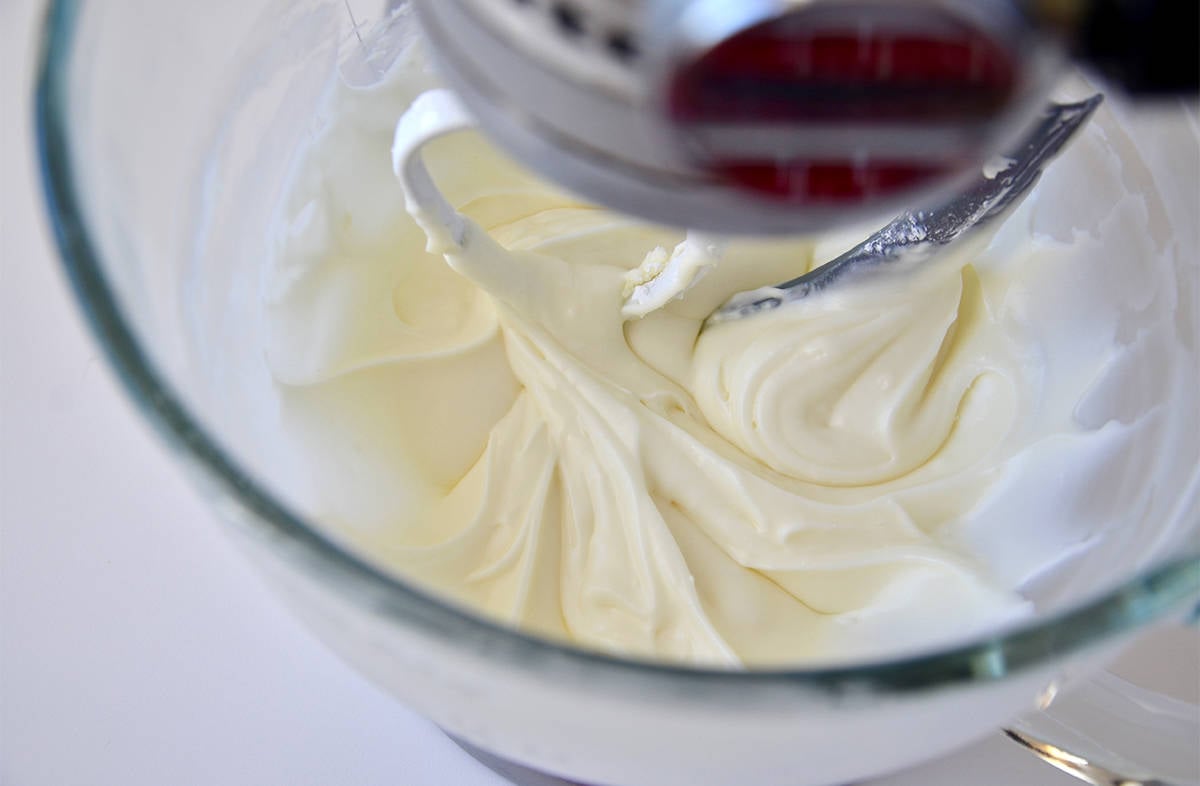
(496, 421)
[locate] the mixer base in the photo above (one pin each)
(516, 774)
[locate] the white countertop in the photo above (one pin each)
(136, 646)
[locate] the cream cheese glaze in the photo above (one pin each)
(495, 423)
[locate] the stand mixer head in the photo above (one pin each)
(749, 117)
(757, 116)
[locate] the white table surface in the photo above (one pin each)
(136, 646)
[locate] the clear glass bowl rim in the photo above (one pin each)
(1167, 589)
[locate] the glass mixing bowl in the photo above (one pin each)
(166, 131)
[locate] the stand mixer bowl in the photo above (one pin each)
(160, 208)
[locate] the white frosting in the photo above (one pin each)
(665, 276)
(527, 417)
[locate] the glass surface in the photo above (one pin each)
(166, 131)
